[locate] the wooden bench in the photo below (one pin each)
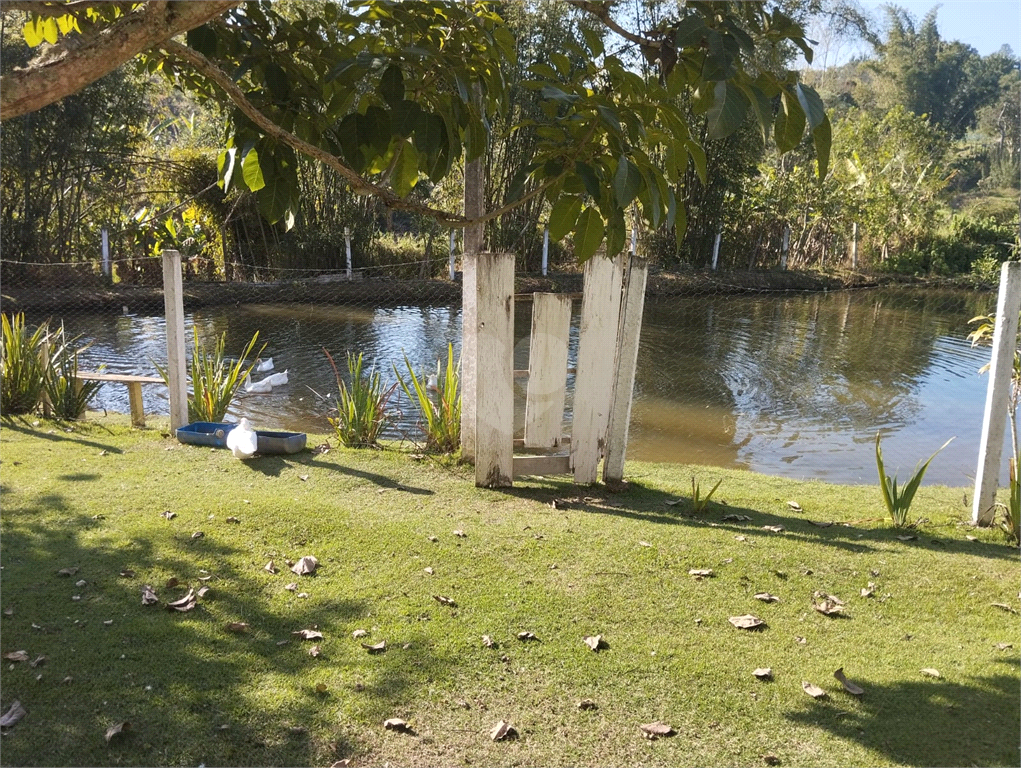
(134, 385)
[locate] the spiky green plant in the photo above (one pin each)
(1011, 522)
(698, 501)
(215, 379)
(898, 500)
(68, 396)
(361, 408)
(22, 369)
(442, 425)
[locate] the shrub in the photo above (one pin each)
(442, 425)
(362, 407)
(22, 370)
(68, 397)
(898, 500)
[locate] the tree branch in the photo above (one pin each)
(602, 12)
(75, 62)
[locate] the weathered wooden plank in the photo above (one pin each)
(494, 404)
(998, 394)
(630, 329)
(547, 370)
(135, 401)
(173, 304)
(593, 391)
(542, 465)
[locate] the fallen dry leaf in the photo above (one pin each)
(869, 590)
(907, 537)
(113, 730)
(1004, 646)
(460, 534)
(314, 652)
(1004, 607)
(819, 524)
(233, 520)
(736, 518)
(813, 690)
(81, 583)
(971, 538)
(108, 623)
(205, 578)
(644, 544)
(303, 478)
(656, 729)
(488, 641)
(342, 763)
(359, 633)
(587, 704)
(306, 566)
(237, 626)
(433, 539)
(701, 573)
(428, 570)
(794, 505)
(595, 642)
(68, 571)
(396, 724)
(526, 636)
(292, 587)
(270, 566)
(172, 582)
(774, 528)
(12, 715)
(828, 607)
(148, 596)
(16, 656)
(186, 603)
(850, 687)
(198, 535)
(321, 448)
(168, 515)
(800, 640)
(740, 538)
(747, 621)
(771, 760)
(203, 591)
(38, 661)
(309, 634)
(930, 672)
(766, 597)
(763, 673)
(127, 573)
(444, 600)
(502, 730)
(379, 647)
(8, 611)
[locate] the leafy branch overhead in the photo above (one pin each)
(391, 95)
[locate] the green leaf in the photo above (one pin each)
(588, 234)
(49, 29)
(276, 79)
(727, 112)
(351, 142)
(789, 124)
(405, 117)
(811, 104)
(251, 171)
(375, 127)
(225, 167)
(697, 157)
(589, 179)
(564, 216)
(616, 236)
(202, 39)
(391, 86)
(626, 182)
(822, 138)
(594, 41)
(405, 174)
(32, 32)
(690, 32)
(762, 107)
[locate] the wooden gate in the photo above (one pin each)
(611, 317)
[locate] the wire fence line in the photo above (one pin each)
(784, 372)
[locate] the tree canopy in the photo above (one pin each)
(389, 94)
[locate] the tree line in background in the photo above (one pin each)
(923, 164)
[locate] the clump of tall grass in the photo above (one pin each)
(361, 407)
(1011, 523)
(898, 499)
(698, 501)
(442, 414)
(215, 379)
(68, 397)
(22, 368)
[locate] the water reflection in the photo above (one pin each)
(795, 385)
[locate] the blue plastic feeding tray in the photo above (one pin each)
(280, 442)
(205, 433)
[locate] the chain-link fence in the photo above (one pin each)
(779, 372)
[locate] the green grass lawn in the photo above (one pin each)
(194, 692)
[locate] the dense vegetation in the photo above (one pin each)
(923, 165)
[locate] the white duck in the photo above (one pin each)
(242, 440)
(261, 366)
(276, 379)
(258, 387)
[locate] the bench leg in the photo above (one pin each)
(135, 399)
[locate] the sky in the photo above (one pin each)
(983, 24)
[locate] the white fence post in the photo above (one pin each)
(784, 247)
(453, 259)
(547, 369)
(545, 251)
(854, 245)
(997, 394)
(716, 250)
(173, 304)
(347, 244)
(471, 244)
(106, 254)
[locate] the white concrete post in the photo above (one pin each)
(784, 247)
(106, 253)
(474, 207)
(545, 251)
(854, 245)
(716, 250)
(997, 394)
(347, 245)
(173, 304)
(453, 258)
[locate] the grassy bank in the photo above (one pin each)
(592, 563)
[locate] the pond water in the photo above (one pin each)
(787, 384)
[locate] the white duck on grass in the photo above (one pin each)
(242, 440)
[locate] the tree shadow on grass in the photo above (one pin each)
(929, 722)
(273, 466)
(178, 678)
(19, 425)
(649, 504)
